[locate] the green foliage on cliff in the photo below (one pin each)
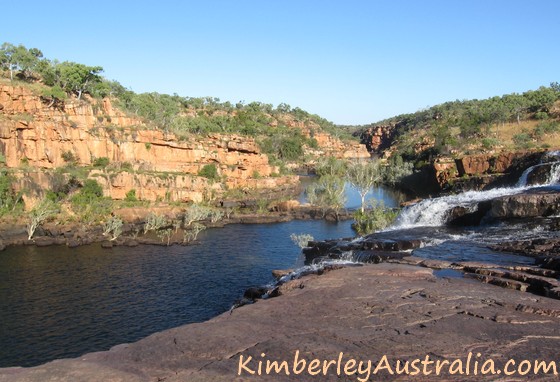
(457, 125)
(183, 116)
(8, 197)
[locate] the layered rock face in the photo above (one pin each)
(36, 135)
(378, 138)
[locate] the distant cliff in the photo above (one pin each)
(36, 138)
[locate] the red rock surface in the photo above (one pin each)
(400, 311)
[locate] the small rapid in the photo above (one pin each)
(435, 212)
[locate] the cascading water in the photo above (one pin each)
(434, 212)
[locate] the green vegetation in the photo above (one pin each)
(9, 199)
(89, 204)
(209, 171)
(130, 196)
(301, 240)
(328, 192)
(113, 227)
(374, 218)
(363, 175)
(100, 162)
(457, 126)
(42, 212)
(69, 157)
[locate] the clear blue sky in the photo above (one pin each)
(352, 62)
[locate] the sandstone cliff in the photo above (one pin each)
(36, 137)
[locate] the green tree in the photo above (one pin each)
(327, 193)
(363, 175)
(78, 78)
(43, 211)
(7, 59)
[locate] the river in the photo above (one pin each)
(57, 302)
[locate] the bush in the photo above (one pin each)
(209, 171)
(131, 196)
(91, 189)
(301, 240)
(101, 162)
(522, 140)
(69, 157)
(489, 143)
(546, 127)
(373, 219)
(113, 227)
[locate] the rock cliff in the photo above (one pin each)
(36, 137)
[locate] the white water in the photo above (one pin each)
(434, 212)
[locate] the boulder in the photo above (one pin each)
(526, 205)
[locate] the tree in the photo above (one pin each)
(19, 58)
(78, 78)
(26, 60)
(7, 60)
(363, 175)
(113, 226)
(327, 192)
(330, 166)
(39, 214)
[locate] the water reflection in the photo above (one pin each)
(390, 197)
(58, 302)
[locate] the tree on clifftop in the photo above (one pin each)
(19, 58)
(78, 78)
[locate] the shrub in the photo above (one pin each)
(489, 143)
(38, 215)
(301, 240)
(373, 219)
(541, 115)
(69, 157)
(127, 166)
(101, 162)
(131, 196)
(209, 171)
(522, 140)
(113, 226)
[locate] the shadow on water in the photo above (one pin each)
(57, 302)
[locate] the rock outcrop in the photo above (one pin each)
(399, 311)
(537, 203)
(35, 136)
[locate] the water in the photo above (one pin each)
(390, 198)
(434, 212)
(57, 302)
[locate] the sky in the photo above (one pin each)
(351, 62)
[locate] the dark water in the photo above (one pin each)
(57, 302)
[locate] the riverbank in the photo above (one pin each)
(367, 312)
(77, 234)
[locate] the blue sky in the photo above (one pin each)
(352, 62)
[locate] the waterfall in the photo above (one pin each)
(434, 212)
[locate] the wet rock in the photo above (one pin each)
(255, 293)
(131, 243)
(73, 243)
(107, 244)
(44, 241)
(464, 216)
(526, 205)
(279, 273)
(539, 174)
